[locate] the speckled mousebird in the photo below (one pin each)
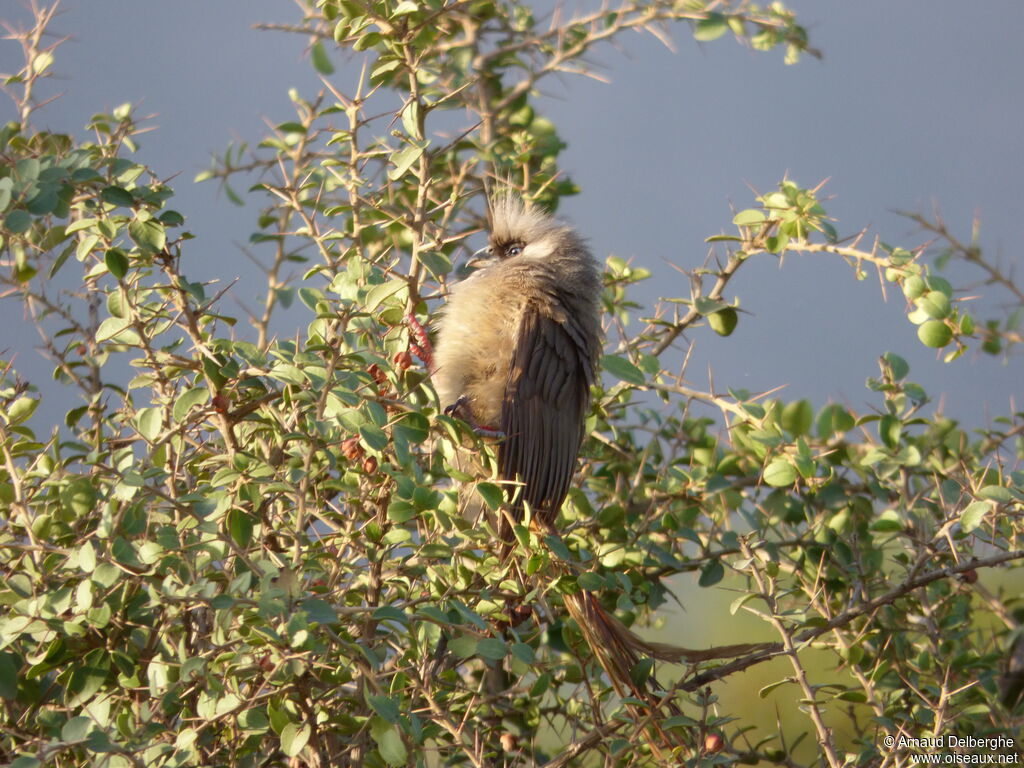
(517, 349)
(516, 353)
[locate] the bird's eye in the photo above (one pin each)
(514, 250)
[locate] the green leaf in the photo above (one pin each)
(711, 28)
(887, 522)
(86, 246)
(87, 557)
(622, 369)
(724, 321)
(889, 429)
(148, 233)
(557, 547)
(590, 581)
(996, 493)
(679, 721)
(739, 602)
(375, 438)
(61, 259)
(149, 423)
(400, 511)
(6, 184)
(87, 677)
(437, 262)
(378, 293)
(780, 473)
(797, 417)
(524, 653)
(116, 262)
(45, 202)
(319, 611)
(233, 196)
(940, 284)
(389, 741)
(384, 706)
(712, 573)
(405, 7)
(187, 400)
(76, 729)
(834, 419)
(9, 668)
(771, 687)
(751, 217)
(935, 333)
(708, 306)
(491, 494)
(294, 738)
(117, 196)
(405, 157)
(254, 721)
(649, 364)
(117, 329)
(410, 116)
(898, 367)
(367, 40)
(935, 304)
(21, 410)
(150, 552)
(17, 221)
(321, 62)
(171, 219)
(389, 613)
(240, 526)
(641, 672)
(492, 648)
(463, 646)
(914, 287)
(973, 514)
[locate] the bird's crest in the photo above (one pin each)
(512, 219)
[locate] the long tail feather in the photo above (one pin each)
(618, 649)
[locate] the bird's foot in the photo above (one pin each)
(460, 410)
(457, 408)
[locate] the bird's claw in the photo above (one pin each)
(455, 408)
(460, 410)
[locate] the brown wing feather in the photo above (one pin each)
(546, 398)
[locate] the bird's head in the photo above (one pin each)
(520, 230)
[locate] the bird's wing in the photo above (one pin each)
(545, 403)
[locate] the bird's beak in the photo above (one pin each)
(479, 259)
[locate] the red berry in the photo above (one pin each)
(403, 360)
(713, 743)
(509, 742)
(351, 449)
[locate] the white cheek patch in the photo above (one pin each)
(541, 249)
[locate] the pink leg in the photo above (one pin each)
(419, 342)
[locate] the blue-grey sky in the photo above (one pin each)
(915, 103)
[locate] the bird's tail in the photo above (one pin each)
(618, 650)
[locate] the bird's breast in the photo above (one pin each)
(476, 340)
